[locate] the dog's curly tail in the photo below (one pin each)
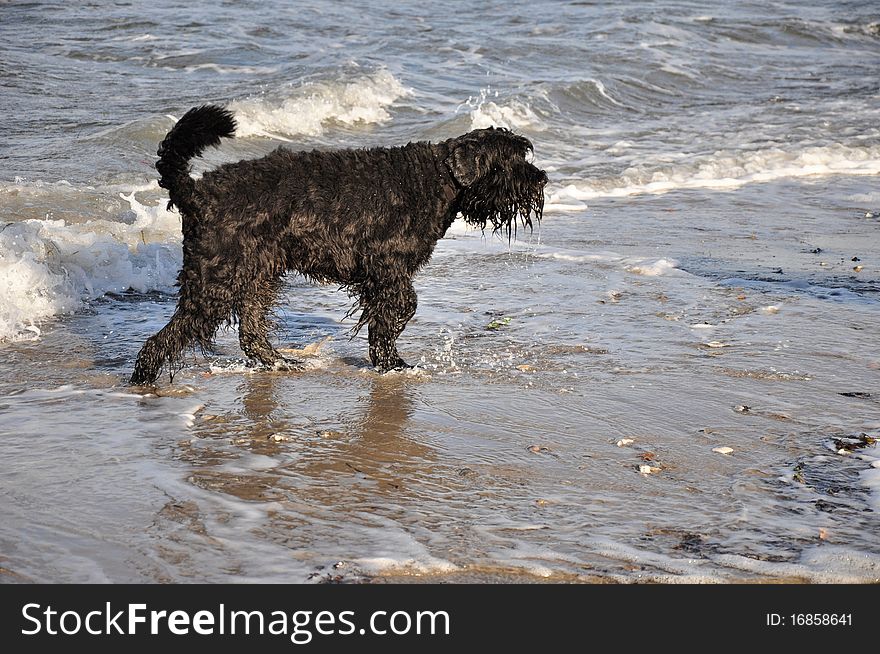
(200, 128)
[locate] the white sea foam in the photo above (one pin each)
(513, 115)
(487, 112)
(308, 109)
(230, 70)
(723, 170)
(826, 564)
(871, 476)
(652, 268)
(51, 267)
(870, 198)
(135, 39)
(554, 204)
(602, 91)
(404, 565)
(462, 237)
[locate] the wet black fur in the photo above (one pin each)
(365, 219)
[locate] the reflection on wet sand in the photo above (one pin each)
(375, 446)
(260, 407)
(316, 461)
(352, 434)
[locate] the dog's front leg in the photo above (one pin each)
(167, 345)
(150, 360)
(389, 310)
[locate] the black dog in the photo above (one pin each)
(365, 219)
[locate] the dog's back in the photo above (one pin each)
(331, 213)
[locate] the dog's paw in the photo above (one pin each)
(142, 377)
(285, 364)
(395, 366)
(281, 364)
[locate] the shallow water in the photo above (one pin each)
(693, 286)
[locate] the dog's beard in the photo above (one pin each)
(505, 198)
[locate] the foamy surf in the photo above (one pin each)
(721, 171)
(309, 108)
(487, 111)
(52, 267)
(464, 238)
(870, 477)
(405, 566)
(232, 70)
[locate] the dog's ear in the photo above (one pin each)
(477, 152)
(468, 161)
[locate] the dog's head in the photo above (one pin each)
(496, 184)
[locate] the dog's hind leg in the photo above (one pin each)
(389, 309)
(254, 324)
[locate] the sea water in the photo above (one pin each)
(673, 378)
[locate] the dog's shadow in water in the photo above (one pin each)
(376, 445)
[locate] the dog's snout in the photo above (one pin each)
(536, 175)
(542, 179)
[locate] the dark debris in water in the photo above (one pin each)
(498, 323)
(823, 284)
(852, 443)
(695, 545)
(333, 576)
(562, 349)
(828, 507)
(319, 578)
(822, 493)
(542, 449)
(798, 473)
(830, 476)
(859, 394)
